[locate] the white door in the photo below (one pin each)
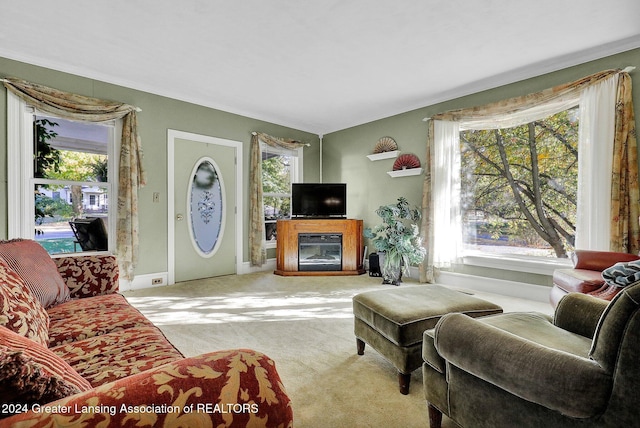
(203, 205)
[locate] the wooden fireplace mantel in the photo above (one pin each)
(287, 244)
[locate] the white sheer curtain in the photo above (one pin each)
(446, 196)
(595, 145)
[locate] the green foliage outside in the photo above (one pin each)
(51, 163)
(49, 207)
(521, 183)
(276, 179)
(46, 157)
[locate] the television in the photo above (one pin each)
(319, 200)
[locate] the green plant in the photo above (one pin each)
(46, 157)
(99, 168)
(398, 238)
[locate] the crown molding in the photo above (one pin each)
(508, 77)
(535, 70)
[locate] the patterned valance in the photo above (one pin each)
(131, 173)
(257, 251)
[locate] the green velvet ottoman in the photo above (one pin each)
(393, 321)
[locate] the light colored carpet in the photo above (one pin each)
(305, 324)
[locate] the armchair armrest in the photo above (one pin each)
(558, 380)
(599, 260)
(88, 276)
(236, 388)
(579, 313)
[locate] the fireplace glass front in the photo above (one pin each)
(320, 252)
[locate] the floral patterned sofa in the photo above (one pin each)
(73, 352)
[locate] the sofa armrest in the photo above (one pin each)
(599, 260)
(234, 388)
(558, 380)
(88, 276)
(579, 313)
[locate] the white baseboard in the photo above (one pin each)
(245, 267)
(160, 279)
(522, 290)
(144, 281)
(539, 293)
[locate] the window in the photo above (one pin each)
(459, 215)
(65, 172)
(519, 187)
(280, 168)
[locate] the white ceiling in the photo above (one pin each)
(317, 66)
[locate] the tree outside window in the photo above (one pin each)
(519, 187)
(279, 170)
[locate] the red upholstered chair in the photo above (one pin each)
(586, 275)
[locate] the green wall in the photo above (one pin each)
(158, 114)
(344, 152)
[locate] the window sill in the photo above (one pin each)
(81, 254)
(537, 265)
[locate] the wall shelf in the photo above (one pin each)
(384, 155)
(405, 172)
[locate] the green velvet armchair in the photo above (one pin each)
(580, 368)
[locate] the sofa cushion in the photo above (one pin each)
(30, 373)
(88, 276)
(23, 383)
(599, 260)
(81, 319)
(539, 328)
(112, 356)
(20, 311)
(235, 388)
(578, 280)
(34, 265)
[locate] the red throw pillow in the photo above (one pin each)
(20, 311)
(34, 265)
(30, 373)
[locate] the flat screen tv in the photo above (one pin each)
(319, 200)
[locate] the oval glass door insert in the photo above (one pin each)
(206, 207)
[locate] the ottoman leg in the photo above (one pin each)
(360, 346)
(404, 380)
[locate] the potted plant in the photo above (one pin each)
(398, 238)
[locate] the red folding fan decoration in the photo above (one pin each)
(406, 161)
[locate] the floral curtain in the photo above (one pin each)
(131, 173)
(625, 230)
(625, 199)
(257, 250)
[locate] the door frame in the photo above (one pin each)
(172, 135)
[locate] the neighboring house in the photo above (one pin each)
(94, 199)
